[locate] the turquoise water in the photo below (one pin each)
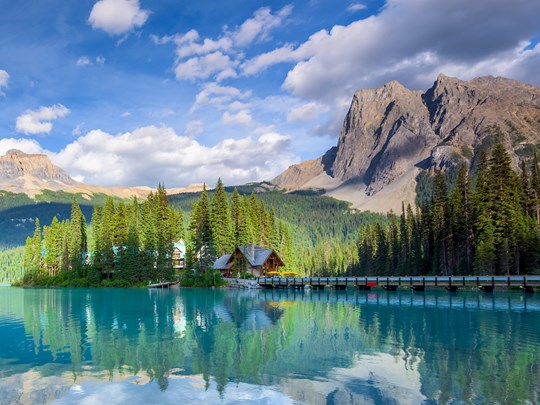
(135, 346)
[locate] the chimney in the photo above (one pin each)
(251, 250)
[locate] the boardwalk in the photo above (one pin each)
(451, 283)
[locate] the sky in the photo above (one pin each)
(136, 92)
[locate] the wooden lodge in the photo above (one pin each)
(249, 258)
(179, 254)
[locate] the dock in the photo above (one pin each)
(163, 284)
(416, 283)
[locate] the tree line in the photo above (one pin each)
(130, 243)
(488, 223)
(126, 243)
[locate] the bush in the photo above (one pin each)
(115, 283)
(202, 278)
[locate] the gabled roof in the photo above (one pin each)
(223, 263)
(256, 255)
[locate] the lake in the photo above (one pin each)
(196, 346)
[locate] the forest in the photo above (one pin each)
(482, 220)
(488, 223)
(131, 244)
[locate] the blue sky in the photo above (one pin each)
(134, 92)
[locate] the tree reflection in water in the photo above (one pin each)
(461, 347)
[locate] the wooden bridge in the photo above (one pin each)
(417, 283)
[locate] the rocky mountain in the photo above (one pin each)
(392, 133)
(32, 173)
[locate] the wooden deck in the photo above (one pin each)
(450, 283)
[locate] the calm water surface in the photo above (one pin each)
(133, 346)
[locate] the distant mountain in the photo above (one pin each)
(391, 134)
(31, 174)
(32, 186)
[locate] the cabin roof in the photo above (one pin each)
(256, 255)
(223, 263)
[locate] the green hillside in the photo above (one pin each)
(18, 212)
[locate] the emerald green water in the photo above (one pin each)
(186, 346)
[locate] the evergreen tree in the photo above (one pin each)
(201, 231)
(32, 250)
(77, 245)
(220, 221)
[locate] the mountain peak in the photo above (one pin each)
(29, 173)
(15, 152)
(392, 133)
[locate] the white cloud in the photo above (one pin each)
(4, 79)
(83, 61)
(24, 145)
(356, 7)
(242, 117)
(100, 60)
(214, 93)
(260, 25)
(412, 41)
(264, 60)
(40, 121)
(78, 130)
(194, 128)
(125, 114)
(150, 155)
(307, 112)
(117, 16)
(205, 66)
(201, 58)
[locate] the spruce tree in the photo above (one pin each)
(76, 240)
(220, 221)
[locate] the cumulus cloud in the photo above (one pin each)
(409, 39)
(260, 25)
(242, 117)
(24, 145)
(117, 16)
(4, 79)
(216, 94)
(204, 66)
(202, 58)
(149, 155)
(306, 112)
(40, 121)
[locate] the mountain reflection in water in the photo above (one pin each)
(220, 346)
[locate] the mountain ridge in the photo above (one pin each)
(390, 134)
(30, 174)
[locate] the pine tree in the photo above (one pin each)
(460, 211)
(201, 231)
(76, 240)
(95, 270)
(32, 250)
(220, 221)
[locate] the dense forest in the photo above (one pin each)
(323, 230)
(487, 223)
(133, 243)
(11, 265)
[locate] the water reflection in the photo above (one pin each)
(209, 346)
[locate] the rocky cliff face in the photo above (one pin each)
(20, 171)
(32, 173)
(391, 133)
